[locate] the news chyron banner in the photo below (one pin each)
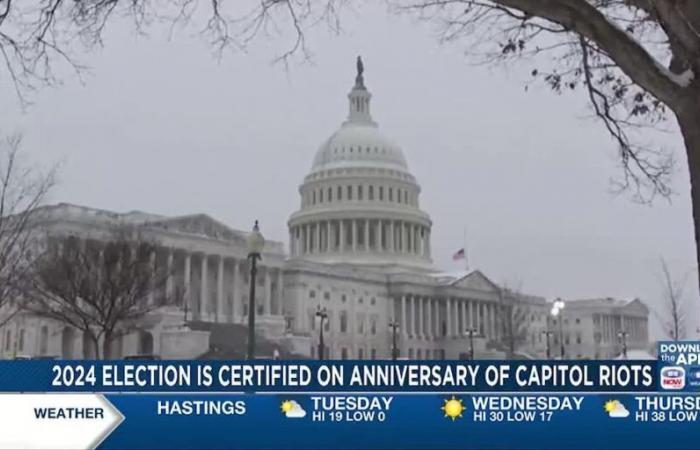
(354, 404)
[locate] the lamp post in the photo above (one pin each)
(548, 334)
(256, 243)
(557, 309)
(623, 337)
(471, 332)
(322, 315)
(394, 326)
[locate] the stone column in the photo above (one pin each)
(267, 306)
(390, 236)
(234, 289)
(448, 316)
(354, 235)
(470, 304)
(329, 238)
(317, 239)
(404, 322)
(292, 249)
(187, 300)
(421, 329)
(220, 291)
(280, 294)
(169, 278)
(203, 288)
(341, 235)
(152, 281)
(416, 240)
(431, 328)
(378, 236)
(465, 324)
(305, 238)
(366, 230)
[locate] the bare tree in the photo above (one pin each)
(515, 314)
(38, 35)
(22, 189)
(102, 291)
(674, 315)
(636, 60)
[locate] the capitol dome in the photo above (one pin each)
(359, 202)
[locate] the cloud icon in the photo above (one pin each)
(293, 410)
(616, 409)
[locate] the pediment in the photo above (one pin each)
(637, 306)
(477, 281)
(201, 225)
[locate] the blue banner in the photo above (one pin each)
(331, 376)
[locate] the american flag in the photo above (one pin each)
(459, 255)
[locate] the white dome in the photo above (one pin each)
(360, 203)
(359, 144)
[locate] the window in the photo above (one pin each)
(360, 300)
(330, 195)
(578, 338)
(360, 353)
(343, 353)
(373, 325)
(349, 192)
(327, 296)
(44, 340)
(578, 321)
(320, 195)
(374, 353)
(20, 346)
(391, 194)
(360, 324)
(359, 193)
(343, 298)
(405, 196)
(313, 198)
(340, 193)
(370, 193)
(343, 322)
(381, 193)
(312, 294)
(373, 301)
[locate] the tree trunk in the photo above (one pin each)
(107, 345)
(689, 122)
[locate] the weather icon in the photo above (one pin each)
(453, 408)
(616, 409)
(292, 409)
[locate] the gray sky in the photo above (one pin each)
(162, 126)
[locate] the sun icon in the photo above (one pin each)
(610, 406)
(453, 408)
(287, 406)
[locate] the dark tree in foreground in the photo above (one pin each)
(638, 61)
(514, 315)
(102, 291)
(674, 315)
(23, 188)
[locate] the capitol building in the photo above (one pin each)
(359, 249)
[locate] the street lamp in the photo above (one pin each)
(623, 337)
(471, 332)
(256, 243)
(557, 308)
(394, 326)
(548, 334)
(322, 315)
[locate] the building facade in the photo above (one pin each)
(359, 250)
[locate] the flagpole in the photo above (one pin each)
(466, 252)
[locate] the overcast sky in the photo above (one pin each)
(162, 126)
